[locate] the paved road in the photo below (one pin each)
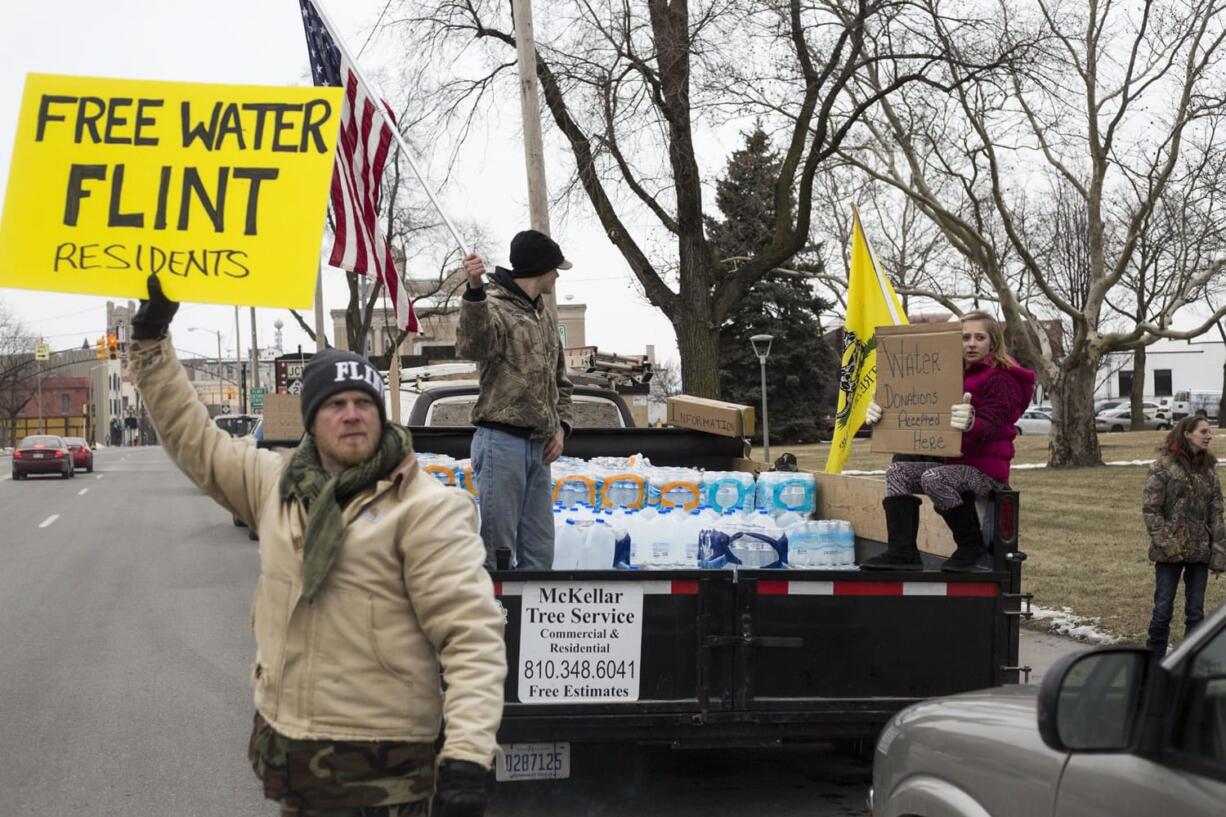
(124, 655)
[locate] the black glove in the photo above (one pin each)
(153, 318)
(459, 790)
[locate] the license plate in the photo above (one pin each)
(532, 761)
(38, 456)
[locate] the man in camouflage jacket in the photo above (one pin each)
(524, 409)
(1182, 506)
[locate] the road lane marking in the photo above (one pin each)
(100, 476)
(82, 492)
(49, 520)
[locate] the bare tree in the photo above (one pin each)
(633, 90)
(1118, 108)
(18, 372)
(665, 381)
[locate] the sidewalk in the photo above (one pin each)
(1042, 649)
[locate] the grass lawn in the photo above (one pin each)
(1080, 527)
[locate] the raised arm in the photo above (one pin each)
(477, 335)
(233, 472)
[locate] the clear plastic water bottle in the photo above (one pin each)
(692, 530)
(787, 519)
(827, 547)
(846, 544)
(597, 550)
(661, 532)
(802, 543)
(567, 542)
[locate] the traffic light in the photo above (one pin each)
(100, 349)
(112, 347)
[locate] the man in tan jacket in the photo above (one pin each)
(371, 579)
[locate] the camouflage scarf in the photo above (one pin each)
(323, 495)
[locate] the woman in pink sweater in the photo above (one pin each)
(997, 391)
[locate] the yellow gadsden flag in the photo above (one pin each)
(871, 302)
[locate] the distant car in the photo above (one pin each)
(82, 454)
(43, 454)
(237, 425)
(1120, 419)
(1034, 421)
(1110, 733)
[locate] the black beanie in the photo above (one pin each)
(533, 253)
(333, 371)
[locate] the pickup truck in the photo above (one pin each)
(731, 657)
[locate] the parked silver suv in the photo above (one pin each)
(1109, 733)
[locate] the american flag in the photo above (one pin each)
(365, 140)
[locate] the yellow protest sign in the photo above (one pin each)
(219, 189)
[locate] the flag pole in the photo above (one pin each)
(885, 292)
(404, 148)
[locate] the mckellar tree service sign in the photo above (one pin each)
(580, 642)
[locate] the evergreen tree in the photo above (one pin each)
(802, 370)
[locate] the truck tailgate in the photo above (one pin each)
(735, 657)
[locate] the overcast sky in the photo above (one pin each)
(261, 42)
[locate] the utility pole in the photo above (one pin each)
(238, 360)
(41, 430)
(530, 108)
(255, 354)
(319, 309)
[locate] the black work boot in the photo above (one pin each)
(963, 521)
(901, 524)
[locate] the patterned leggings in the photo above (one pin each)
(944, 484)
(417, 809)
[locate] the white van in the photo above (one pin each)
(1194, 400)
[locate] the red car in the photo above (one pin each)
(82, 454)
(43, 454)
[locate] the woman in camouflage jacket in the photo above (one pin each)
(1182, 506)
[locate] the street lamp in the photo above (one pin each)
(220, 390)
(762, 348)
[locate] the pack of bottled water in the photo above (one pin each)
(827, 544)
(779, 491)
(674, 487)
(442, 467)
(728, 490)
(669, 538)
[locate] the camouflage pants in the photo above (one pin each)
(333, 778)
(418, 809)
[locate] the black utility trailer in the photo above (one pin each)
(754, 657)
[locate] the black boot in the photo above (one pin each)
(901, 524)
(963, 521)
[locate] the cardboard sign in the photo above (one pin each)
(919, 377)
(712, 416)
(219, 189)
(282, 418)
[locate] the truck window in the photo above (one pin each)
(596, 413)
(451, 412)
(589, 412)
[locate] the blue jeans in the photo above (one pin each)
(1195, 577)
(513, 485)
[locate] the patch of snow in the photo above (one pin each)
(1065, 622)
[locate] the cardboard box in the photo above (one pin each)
(858, 499)
(919, 377)
(711, 416)
(282, 418)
